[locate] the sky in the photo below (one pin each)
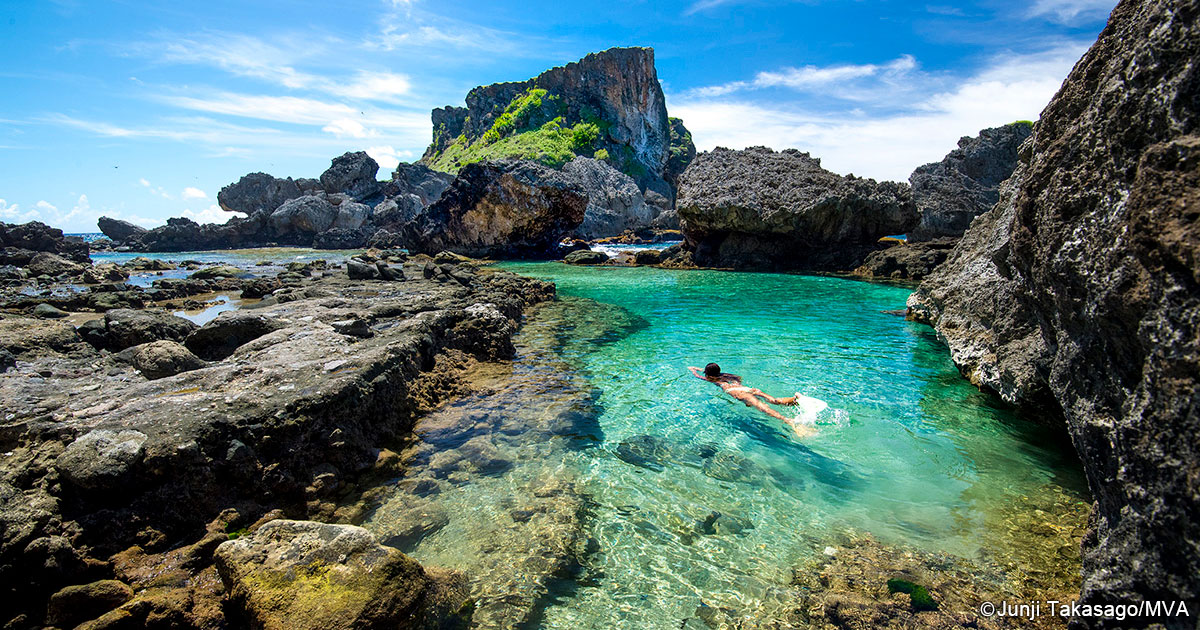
(144, 110)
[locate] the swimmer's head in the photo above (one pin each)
(712, 370)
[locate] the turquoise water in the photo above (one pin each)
(694, 499)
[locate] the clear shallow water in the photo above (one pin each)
(247, 259)
(695, 499)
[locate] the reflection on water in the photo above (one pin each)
(603, 485)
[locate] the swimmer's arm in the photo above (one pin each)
(696, 372)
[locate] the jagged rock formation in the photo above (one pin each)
(505, 209)
(608, 104)
(760, 209)
(118, 230)
(1082, 287)
(907, 261)
(614, 203)
(256, 192)
(20, 243)
(966, 183)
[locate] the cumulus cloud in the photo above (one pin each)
(193, 193)
(211, 214)
(887, 144)
(388, 157)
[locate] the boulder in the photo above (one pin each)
(141, 263)
(76, 604)
(309, 214)
(505, 209)
(760, 209)
(647, 257)
(101, 459)
(120, 231)
(396, 211)
(907, 261)
(352, 173)
(222, 336)
(337, 238)
(219, 271)
(350, 216)
(359, 270)
(47, 311)
(420, 181)
(19, 242)
(160, 359)
(305, 575)
(1078, 292)
(585, 257)
(124, 327)
(48, 264)
(37, 337)
(104, 273)
(256, 192)
(966, 183)
(614, 202)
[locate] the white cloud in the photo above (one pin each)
(211, 214)
(856, 82)
(347, 128)
(887, 145)
(157, 190)
(143, 181)
(388, 157)
(1072, 11)
(193, 193)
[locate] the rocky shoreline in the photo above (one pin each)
(124, 439)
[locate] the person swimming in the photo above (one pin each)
(732, 384)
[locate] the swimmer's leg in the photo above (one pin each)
(751, 401)
(786, 402)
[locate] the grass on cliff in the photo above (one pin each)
(531, 127)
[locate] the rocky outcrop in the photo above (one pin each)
(909, 261)
(419, 180)
(352, 173)
(305, 575)
(966, 183)
(1082, 286)
(310, 214)
(760, 209)
(506, 209)
(256, 192)
(120, 231)
(20, 243)
(681, 151)
(287, 419)
(614, 203)
(617, 90)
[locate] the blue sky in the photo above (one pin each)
(144, 110)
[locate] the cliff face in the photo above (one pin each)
(616, 92)
(966, 183)
(762, 209)
(1083, 285)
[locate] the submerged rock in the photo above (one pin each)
(1079, 291)
(647, 451)
(301, 574)
(760, 209)
(585, 257)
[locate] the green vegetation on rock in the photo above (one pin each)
(921, 599)
(532, 127)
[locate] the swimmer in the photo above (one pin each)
(732, 385)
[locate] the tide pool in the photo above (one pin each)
(693, 499)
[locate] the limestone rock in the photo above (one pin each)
(160, 359)
(104, 273)
(75, 604)
(352, 173)
(1080, 287)
(222, 336)
(256, 192)
(119, 231)
(48, 264)
(420, 180)
(301, 575)
(506, 209)
(37, 337)
(966, 183)
(125, 327)
(310, 214)
(101, 459)
(585, 257)
(350, 216)
(756, 208)
(910, 261)
(18, 243)
(614, 202)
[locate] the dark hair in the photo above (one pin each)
(712, 369)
